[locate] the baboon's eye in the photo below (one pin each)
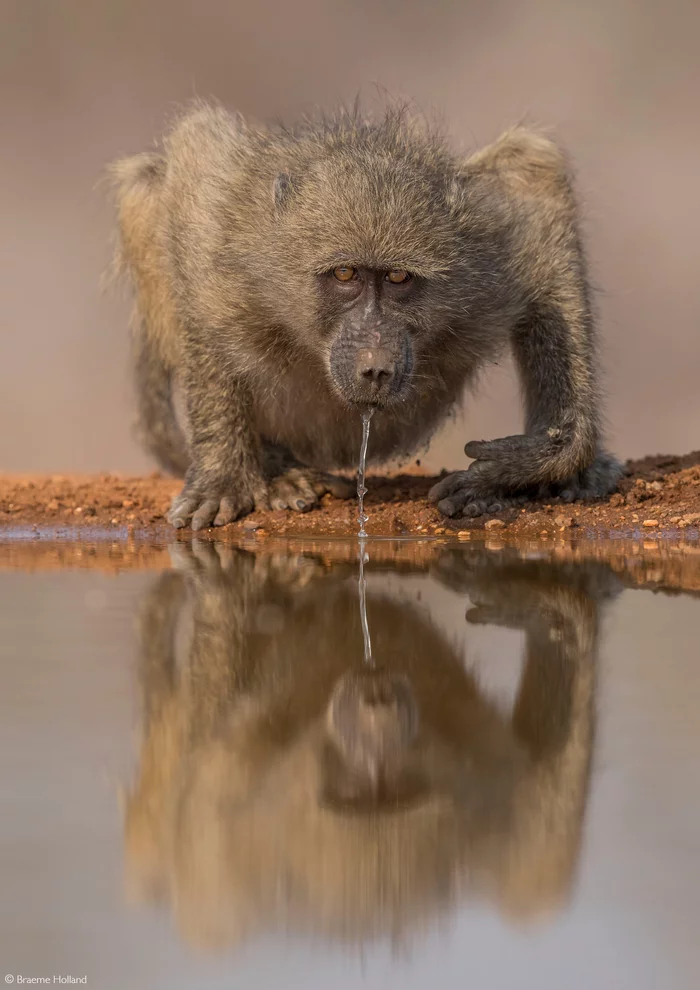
(344, 273)
(398, 276)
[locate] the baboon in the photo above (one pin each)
(285, 277)
(284, 785)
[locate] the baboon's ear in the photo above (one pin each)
(457, 189)
(282, 190)
(524, 158)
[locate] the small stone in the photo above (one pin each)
(78, 510)
(674, 520)
(127, 503)
(464, 534)
(564, 521)
(617, 499)
(650, 523)
(52, 506)
(691, 517)
(494, 524)
(654, 486)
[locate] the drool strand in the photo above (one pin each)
(362, 586)
(362, 534)
(361, 489)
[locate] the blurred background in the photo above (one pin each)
(85, 81)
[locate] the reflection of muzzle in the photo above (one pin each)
(371, 372)
(373, 719)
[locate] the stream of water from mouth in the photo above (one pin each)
(361, 489)
(362, 534)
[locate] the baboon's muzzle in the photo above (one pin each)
(371, 369)
(372, 722)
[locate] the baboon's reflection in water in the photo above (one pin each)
(282, 787)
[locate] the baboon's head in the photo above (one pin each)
(370, 240)
(372, 720)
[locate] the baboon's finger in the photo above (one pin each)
(181, 509)
(229, 509)
(204, 516)
(452, 483)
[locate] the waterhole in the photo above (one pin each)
(514, 805)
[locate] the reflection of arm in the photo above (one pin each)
(181, 703)
(553, 718)
(218, 665)
(145, 818)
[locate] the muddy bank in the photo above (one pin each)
(648, 532)
(659, 496)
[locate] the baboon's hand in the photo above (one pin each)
(484, 487)
(513, 603)
(502, 476)
(467, 493)
(216, 503)
(222, 502)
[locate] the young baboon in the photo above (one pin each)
(285, 278)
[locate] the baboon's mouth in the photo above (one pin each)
(413, 792)
(376, 397)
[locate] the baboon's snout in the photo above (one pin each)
(371, 369)
(372, 721)
(374, 368)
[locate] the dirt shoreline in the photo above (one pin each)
(660, 496)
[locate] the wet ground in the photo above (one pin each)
(205, 785)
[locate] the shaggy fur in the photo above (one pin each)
(231, 233)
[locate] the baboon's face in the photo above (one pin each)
(371, 354)
(367, 244)
(371, 724)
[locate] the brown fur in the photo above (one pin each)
(230, 234)
(229, 819)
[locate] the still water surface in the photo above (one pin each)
(204, 785)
